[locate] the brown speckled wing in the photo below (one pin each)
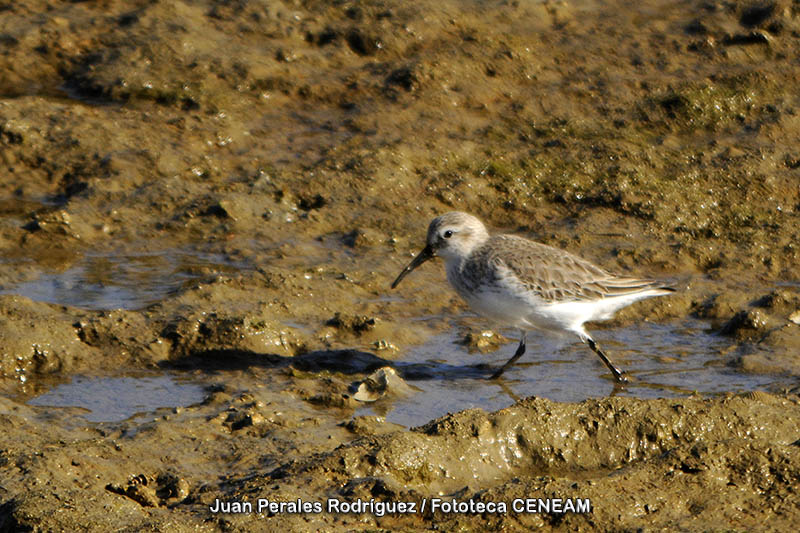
(550, 273)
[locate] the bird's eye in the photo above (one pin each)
(447, 234)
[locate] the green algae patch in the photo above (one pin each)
(718, 105)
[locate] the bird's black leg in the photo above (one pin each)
(618, 375)
(517, 355)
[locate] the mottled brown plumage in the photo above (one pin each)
(552, 274)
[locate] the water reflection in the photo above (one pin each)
(664, 360)
(119, 398)
(123, 281)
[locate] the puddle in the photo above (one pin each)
(116, 399)
(122, 281)
(666, 360)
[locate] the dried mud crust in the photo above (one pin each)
(309, 144)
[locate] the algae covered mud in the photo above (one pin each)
(203, 203)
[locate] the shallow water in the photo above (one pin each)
(673, 359)
(122, 281)
(669, 359)
(114, 399)
(664, 359)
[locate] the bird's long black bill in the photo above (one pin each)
(424, 255)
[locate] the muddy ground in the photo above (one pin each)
(301, 148)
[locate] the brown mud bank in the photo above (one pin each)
(689, 464)
(225, 190)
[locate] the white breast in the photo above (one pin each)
(512, 305)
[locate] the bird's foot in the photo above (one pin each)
(623, 378)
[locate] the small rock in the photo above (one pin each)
(779, 301)
(353, 323)
(153, 491)
(380, 383)
(383, 344)
(238, 419)
(746, 324)
(485, 341)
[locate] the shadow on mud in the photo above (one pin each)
(348, 361)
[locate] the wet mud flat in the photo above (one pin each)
(202, 206)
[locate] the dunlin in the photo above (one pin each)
(528, 285)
